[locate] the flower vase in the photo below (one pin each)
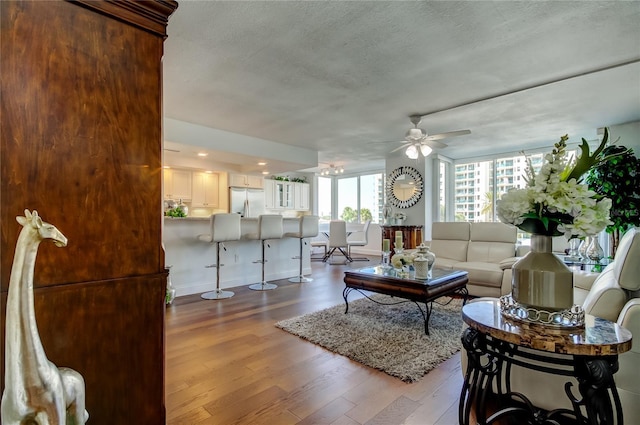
(573, 255)
(595, 252)
(541, 280)
(387, 213)
(582, 250)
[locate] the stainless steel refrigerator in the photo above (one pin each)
(246, 202)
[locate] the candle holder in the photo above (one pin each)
(386, 260)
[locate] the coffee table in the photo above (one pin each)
(386, 281)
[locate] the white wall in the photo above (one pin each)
(629, 135)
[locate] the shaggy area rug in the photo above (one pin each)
(390, 338)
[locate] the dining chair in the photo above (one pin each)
(338, 239)
(360, 238)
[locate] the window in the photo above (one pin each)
(371, 198)
(324, 198)
(361, 198)
(494, 178)
(479, 188)
(348, 199)
(442, 191)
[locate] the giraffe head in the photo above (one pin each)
(43, 229)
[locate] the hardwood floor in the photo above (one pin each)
(226, 363)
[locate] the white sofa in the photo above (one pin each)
(485, 250)
(615, 296)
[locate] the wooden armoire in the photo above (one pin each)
(81, 143)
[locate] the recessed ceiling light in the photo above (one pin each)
(265, 172)
(262, 163)
(209, 172)
(165, 166)
(202, 154)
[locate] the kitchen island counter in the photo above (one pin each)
(188, 256)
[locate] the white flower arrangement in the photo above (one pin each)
(554, 202)
(400, 260)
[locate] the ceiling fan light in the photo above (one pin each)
(425, 149)
(412, 152)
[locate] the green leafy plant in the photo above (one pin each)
(175, 212)
(617, 178)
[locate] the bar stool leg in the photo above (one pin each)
(218, 294)
(263, 286)
(301, 278)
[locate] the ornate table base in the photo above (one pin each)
(384, 281)
(489, 366)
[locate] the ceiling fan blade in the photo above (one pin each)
(448, 134)
(400, 147)
(434, 143)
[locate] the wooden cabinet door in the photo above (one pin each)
(182, 184)
(270, 194)
(237, 180)
(205, 190)
(167, 183)
(82, 127)
(256, 182)
(177, 184)
(301, 196)
(244, 180)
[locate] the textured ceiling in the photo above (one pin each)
(343, 77)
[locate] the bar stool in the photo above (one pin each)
(224, 228)
(308, 229)
(269, 227)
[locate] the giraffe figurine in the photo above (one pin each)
(35, 390)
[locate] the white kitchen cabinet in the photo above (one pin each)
(284, 195)
(301, 196)
(177, 184)
(246, 180)
(205, 190)
(269, 194)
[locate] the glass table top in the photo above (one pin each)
(435, 274)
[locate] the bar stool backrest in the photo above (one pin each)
(225, 227)
(270, 226)
(309, 226)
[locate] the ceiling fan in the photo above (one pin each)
(417, 140)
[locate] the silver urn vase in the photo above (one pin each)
(541, 280)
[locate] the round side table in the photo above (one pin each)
(494, 343)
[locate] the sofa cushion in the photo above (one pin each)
(482, 273)
(493, 232)
(445, 263)
(491, 242)
(459, 230)
(450, 240)
(453, 250)
(492, 252)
